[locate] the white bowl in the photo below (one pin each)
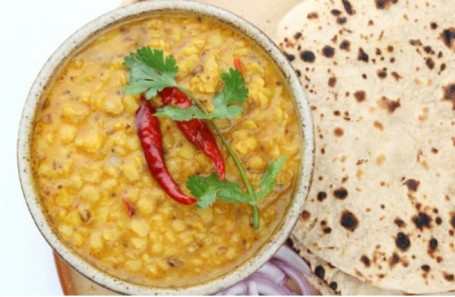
(66, 50)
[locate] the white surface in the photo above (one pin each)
(30, 31)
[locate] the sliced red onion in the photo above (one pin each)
(253, 288)
(272, 271)
(267, 286)
(272, 277)
(295, 275)
(287, 255)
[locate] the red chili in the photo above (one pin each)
(239, 65)
(195, 130)
(148, 129)
(129, 207)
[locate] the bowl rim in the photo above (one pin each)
(80, 38)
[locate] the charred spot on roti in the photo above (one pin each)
(365, 260)
(434, 150)
(333, 285)
(432, 244)
(402, 241)
(290, 57)
(332, 81)
(335, 12)
(430, 63)
(305, 215)
(341, 20)
(450, 277)
(422, 220)
(385, 4)
(321, 196)
(340, 193)
(425, 267)
(399, 222)
(396, 76)
(327, 230)
(452, 219)
(328, 51)
(345, 45)
(415, 42)
(412, 184)
(359, 96)
(362, 56)
(448, 37)
(394, 259)
(307, 56)
(438, 221)
(319, 271)
(349, 221)
(433, 25)
(378, 125)
(364, 76)
(442, 67)
(297, 35)
(338, 132)
(348, 7)
(312, 15)
(449, 93)
(382, 73)
(389, 104)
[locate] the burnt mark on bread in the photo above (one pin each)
(312, 15)
(399, 222)
(382, 73)
(332, 81)
(290, 57)
(340, 193)
(328, 51)
(338, 132)
(321, 196)
(319, 271)
(432, 245)
(433, 25)
(412, 184)
(425, 267)
(349, 221)
(449, 93)
(307, 56)
(335, 12)
(362, 56)
(305, 215)
(449, 276)
(394, 260)
(396, 76)
(384, 4)
(389, 104)
(359, 96)
(452, 219)
(341, 20)
(430, 63)
(422, 220)
(348, 7)
(345, 45)
(448, 37)
(333, 285)
(365, 260)
(402, 241)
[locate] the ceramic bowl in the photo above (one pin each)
(67, 49)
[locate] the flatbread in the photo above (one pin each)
(380, 76)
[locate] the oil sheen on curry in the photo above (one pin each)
(92, 176)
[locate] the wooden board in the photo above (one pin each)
(265, 14)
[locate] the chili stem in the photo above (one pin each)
(238, 164)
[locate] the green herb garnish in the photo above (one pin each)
(151, 72)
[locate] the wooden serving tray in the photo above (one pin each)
(265, 14)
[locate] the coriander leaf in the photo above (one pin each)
(208, 188)
(150, 72)
(233, 91)
(270, 176)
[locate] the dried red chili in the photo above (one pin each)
(149, 132)
(195, 130)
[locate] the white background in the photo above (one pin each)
(30, 31)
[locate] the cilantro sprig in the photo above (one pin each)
(233, 91)
(151, 72)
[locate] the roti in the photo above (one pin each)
(381, 81)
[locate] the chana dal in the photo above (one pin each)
(87, 158)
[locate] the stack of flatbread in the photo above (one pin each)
(380, 78)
